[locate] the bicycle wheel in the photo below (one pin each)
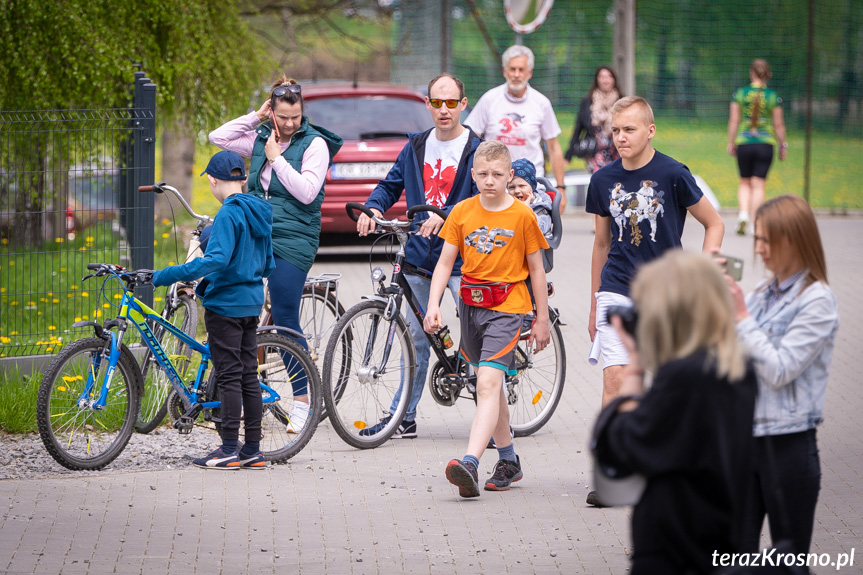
(534, 392)
(157, 386)
(281, 363)
(360, 391)
(319, 312)
(76, 435)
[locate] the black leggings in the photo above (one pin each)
(753, 160)
(797, 472)
(233, 346)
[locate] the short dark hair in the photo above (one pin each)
(458, 83)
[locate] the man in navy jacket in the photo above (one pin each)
(432, 169)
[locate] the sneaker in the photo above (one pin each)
(218, 460)
(593, 499)
(377, 427)
(297, 416)
(491, 443)
(406, 430)
(255, 461)
(464, 476)
(505, 473)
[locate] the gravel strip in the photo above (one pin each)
(25, 457)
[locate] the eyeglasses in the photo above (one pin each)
(280, 91)
(437, 103)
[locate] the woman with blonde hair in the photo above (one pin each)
(789, 324)
(689, 435)
(755, 126)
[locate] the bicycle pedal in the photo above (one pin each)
(183, 425)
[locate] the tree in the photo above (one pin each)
(83, 53)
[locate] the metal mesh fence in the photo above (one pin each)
(65, 201)
(689, 58)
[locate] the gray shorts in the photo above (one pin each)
(489, 337)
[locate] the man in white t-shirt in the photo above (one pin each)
(432, 169)
(521, 117)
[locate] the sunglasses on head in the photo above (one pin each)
(280, 91)
(437, 103)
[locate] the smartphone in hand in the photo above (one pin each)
(733, 266)
(275, 125)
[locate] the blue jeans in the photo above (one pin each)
(421, 287)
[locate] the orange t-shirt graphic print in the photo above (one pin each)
(494, 246)
(437, 183)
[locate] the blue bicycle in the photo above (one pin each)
(90, 394)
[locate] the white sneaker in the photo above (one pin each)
(297, 416)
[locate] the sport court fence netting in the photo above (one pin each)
(689, 58)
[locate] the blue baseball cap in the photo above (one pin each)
(525, 170)
(222, 163)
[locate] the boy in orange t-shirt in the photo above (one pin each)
(499, 241)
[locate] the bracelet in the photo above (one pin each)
(560, 187)
(784, 146)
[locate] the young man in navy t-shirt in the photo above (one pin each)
(639, 204)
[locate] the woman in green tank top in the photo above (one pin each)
(755, 126)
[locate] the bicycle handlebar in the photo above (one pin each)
(161, 187)
(352, 207)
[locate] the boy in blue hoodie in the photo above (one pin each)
(237, 258)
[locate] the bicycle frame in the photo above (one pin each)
(138, 313)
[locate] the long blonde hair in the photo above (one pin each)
(684, 305)
(790, 217)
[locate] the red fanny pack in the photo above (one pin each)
(483, 294)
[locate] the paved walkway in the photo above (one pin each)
(333, 509)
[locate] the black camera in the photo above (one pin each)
(628, 316)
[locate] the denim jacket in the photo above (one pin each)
(791, 345)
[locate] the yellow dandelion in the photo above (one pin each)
(166, 235)
(55, 300)
(85, 294)
(31, 303)
(4, 339)
(43, 300)
(73, 286)
(89, 238)
(2, 290)
(12, 262)
(166, 221)
(172, 263)
(155, 242)
(77, 319)
(117, 296)
(59, 240)
(5, 241)
(106, 305)
(157, 299)
(52, 327)
(69, 295)
(84, 317)
(14, 303)
(62, 269)
(99, 313)
(13, 333)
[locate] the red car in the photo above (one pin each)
(372, 119)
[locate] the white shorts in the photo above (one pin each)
(612, 349)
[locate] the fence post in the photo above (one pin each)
(142, 173)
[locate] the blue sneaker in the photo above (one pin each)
(255, 461)
(218, 459)
(376, 428)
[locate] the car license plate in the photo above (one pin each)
(361, 170)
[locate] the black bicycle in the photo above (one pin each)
(371, 355)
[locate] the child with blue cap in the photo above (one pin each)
(238, 256)
(523, 187)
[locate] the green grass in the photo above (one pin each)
(18, 402)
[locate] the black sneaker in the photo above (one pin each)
(464, 476)
(376, 428)
(505, 474)
(218, 459)
(407, 430)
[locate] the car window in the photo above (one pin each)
(369, 117)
